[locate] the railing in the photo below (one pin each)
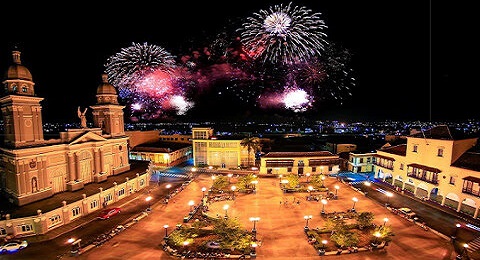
(432, 181)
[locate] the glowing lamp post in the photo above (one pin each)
(322, 250)
(148, 199)
(203, 192)
(377, 236)
(354, 202)
(389, 195)
(225, 207)
(233, 191)
(454, 236)
(191, 203)
(166, 230)
(308, 175)
(310, 189)
(324, 202)
(385, 221)
(254, 230)
(255, 182)
(229, 177)
(336, 190)
(307, 218)
(465, 252)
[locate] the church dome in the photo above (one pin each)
(106, 88)
(17, 70)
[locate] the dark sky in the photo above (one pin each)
(408, 57)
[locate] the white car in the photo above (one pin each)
(407, 212)
(13, 245)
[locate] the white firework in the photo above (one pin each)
(284, 34)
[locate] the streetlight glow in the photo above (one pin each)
(307, 218)
(324, 202)
(385, 221)
(225, 207)
(354, 201)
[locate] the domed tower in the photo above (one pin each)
(107, 113)
(21, 110)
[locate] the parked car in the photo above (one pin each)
(407, 212)
(13, 245)
(107, 213)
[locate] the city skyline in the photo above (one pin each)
(392, 62)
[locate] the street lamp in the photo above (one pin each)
(203, 192)
(168, 186)
(310, 189)
(336, 189)
(389, 194)
(308, 175)
(191, 203)
(166, 231)
(385, 221)
(322, 250)
(229, 177)
(377, 236)
(307, 218)
(324, 202)
(254, 230)
(457, 226)
(354, 201)
(148, 199)
(465, 253)
(233, 191)
(254, 182)
(225, 207)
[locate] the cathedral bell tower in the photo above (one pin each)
(21, 110)
(107, 113)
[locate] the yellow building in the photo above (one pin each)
(282, 163)
(219, 151)
(32, 168)
(440, 164)
(360, 162)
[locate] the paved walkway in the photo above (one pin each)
(280, 228)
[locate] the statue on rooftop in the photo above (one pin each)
(83, 118)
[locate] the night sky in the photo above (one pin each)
(408, 58)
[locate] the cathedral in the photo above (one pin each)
(32, 168)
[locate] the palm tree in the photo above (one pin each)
(252, 144)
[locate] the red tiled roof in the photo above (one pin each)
(471, 178)
(400, 149)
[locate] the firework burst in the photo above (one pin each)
(283, 34)
(133, 63)
(147, 76)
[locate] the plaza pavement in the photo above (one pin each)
(280, 228)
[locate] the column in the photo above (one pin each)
(71, 167)
(21, 178)
(102, 163)
(77, 167)
(42, 173)
(475, 215)
(459, 205)
(97, 161)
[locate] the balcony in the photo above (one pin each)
(424, 178)
(471, 192)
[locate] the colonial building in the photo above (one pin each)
(316, 162)
(219, 151)
(32, 168)
(360, 162)
(440, 164)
